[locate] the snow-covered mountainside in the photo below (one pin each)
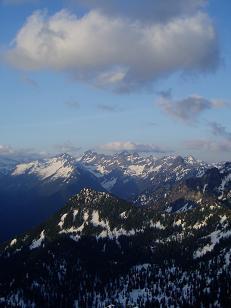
(99, 251)
(61, 167)
(132, 164)
(128, 174)
(113, 171)
(213, 186)
(129, 163)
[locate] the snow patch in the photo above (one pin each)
(13, 242)
(157, 225)
(37, 243)
(123, 215)
(136, 170)
(178, 222)
(215, 238)
(60, 224)
(75, 213)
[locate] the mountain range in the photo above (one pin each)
(32, 191)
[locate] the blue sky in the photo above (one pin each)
(106, 96)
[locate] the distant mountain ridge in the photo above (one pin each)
(128, 174)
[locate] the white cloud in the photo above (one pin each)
(188, 109)
(118, 146)
(23, 154)
(6, 150)
(115, 52)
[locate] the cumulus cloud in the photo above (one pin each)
(208, 145)
(145, 10)
(118, 146)
(188, 109)
(220, 130)
(115, 52)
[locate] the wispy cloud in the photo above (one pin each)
(117, 146)
(165, 93)
(31, 82)
(188, 109)
(72, 104)
(208, 145)
(152, 123)
(220, 130)
(108, 108)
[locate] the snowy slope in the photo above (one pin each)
(61, 167)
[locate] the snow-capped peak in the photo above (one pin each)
(62, 166)
(191, 160)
